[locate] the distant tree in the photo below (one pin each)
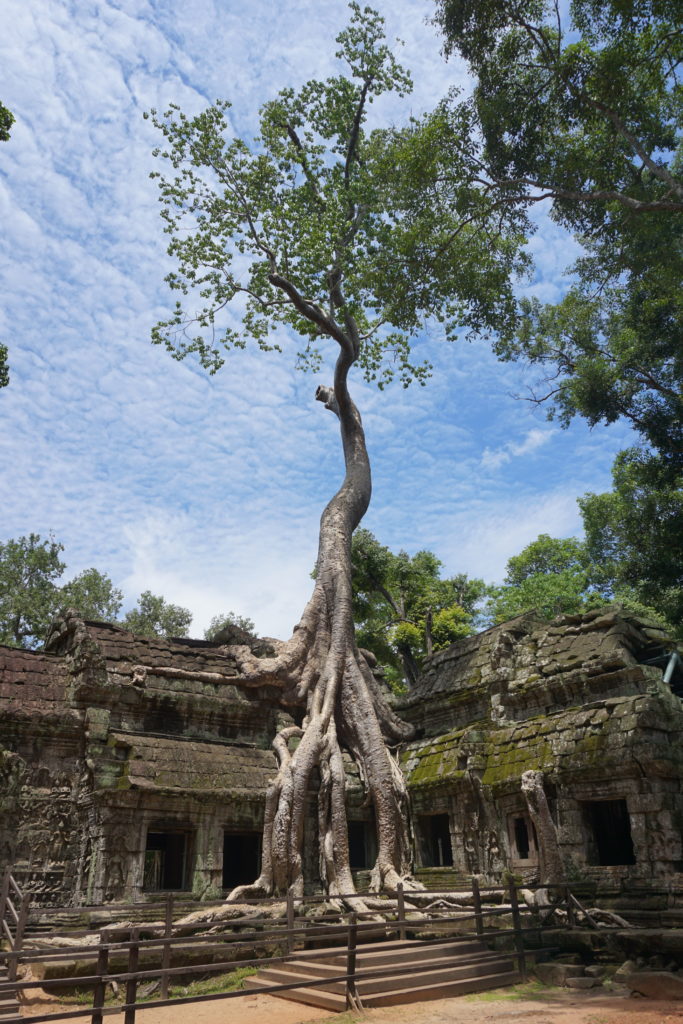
(219, 623)
(403, 609)
(635, 533)
(94, 596)
(6, 122)
(559, 576)
(154, 616)
(29, 567)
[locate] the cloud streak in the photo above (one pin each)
(209, 490)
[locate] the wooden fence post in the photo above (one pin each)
(132, 983)
(476, 900)
(290, 921)
(571, 916)
(401, 907)
(100, 991)
(4, 895)
(517, 925)
(166, 949)
(19, 937)
(352, 939)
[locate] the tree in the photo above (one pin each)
(6, 122)
(402, 608)
(588, 115)
(550, 576)
(636, 533)
(28, 568)
(225, 624)
(94, 596)
(315, 228)
(154, 616)
(560, 576)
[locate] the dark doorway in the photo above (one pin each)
(362, 845)
(437, 851)
(521, 833)
(241, 858)
(608, 829)
(167, 861)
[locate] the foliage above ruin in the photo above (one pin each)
(404, 609)
(313, 222)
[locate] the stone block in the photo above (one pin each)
(553, 973)
(583, 983)
(655, 984)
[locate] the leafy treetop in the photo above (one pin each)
(403, 609)
(314, 227)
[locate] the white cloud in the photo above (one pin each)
(209, 490)
(532, 441)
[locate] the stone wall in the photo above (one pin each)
(131, 766)
(572, 700)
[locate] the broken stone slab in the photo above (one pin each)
(583, 983)
(557, 974)
(595, 971)
(628, 967)
(656, 984)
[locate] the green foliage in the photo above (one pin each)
(29, 567)
(154, 616)
(224, 622)
(636, 533)
(403, 609)
(551, 576)
(6, 122)
(589, 113)
(560, 576)
(94, 595)
(325, 227)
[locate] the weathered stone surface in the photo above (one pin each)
(107, 738)
(585, 982)
(553, 973)
(656, 984)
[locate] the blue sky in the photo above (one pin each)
(208, 490)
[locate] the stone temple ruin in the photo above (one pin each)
(130, 766)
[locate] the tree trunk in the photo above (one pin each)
(323, 672)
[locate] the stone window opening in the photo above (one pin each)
(435, 846)
(523, 841)
(241, 858)
(608, 833)
(167, 860)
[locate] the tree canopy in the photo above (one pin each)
(403, 609)
(31, 596)
(314, 222)
(155, 616)
(588, 115)
(585, 112)
(6, 122)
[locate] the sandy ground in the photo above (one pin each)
(558, 1006)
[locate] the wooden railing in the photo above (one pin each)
(246, 935)
(14, 911)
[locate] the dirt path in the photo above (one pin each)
(558, 1006)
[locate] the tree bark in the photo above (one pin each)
(322, 671)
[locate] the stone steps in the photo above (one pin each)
(407, 972)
